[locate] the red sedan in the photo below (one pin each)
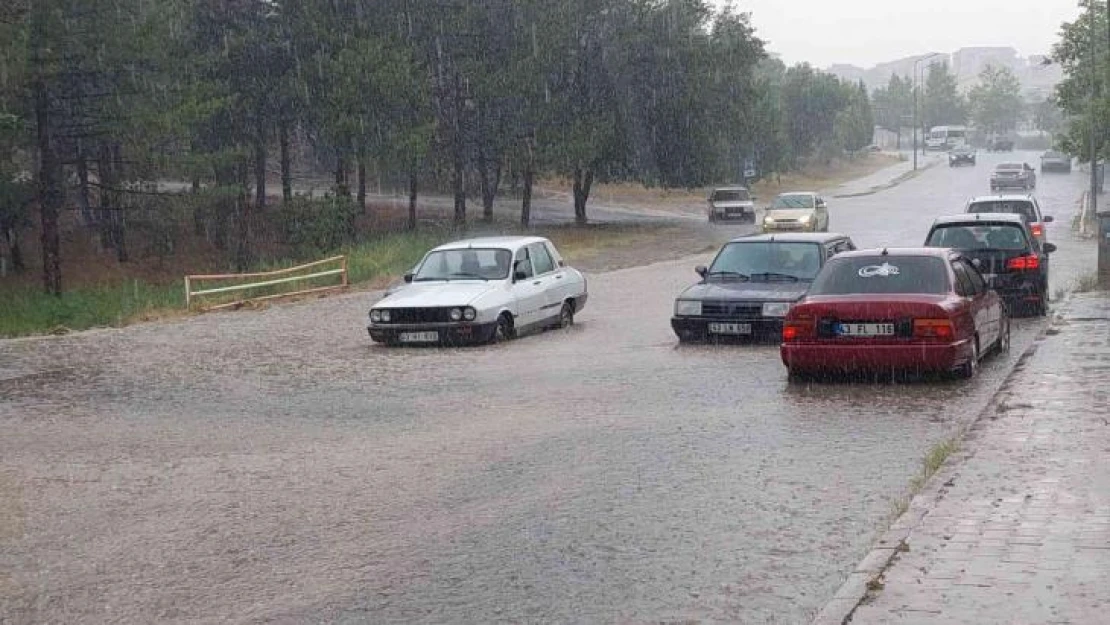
(916, 309)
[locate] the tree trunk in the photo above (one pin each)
(412, 200)
(242, 213)
(12, 236)
(342, 185)
(361, 181)
(458, 186)
(526, 200)
(87, 216)
(898, 139)
(583, 180)
(260, 167)
(119, 216)
(286, 170)
(49, 191)
(104, 203)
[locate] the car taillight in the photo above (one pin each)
(795, 330)
(1024, 263)
(1038, 230)
(933, 329)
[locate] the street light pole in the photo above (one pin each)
(915, 81)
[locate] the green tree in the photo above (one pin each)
(1082, 95)
(942, 104)
(996, 102)
(855, 123)
(893, 105)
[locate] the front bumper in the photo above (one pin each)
(462, 333)
(789, 226)
(734, 212)
(962, 160)
(847, 358)
(696, 329)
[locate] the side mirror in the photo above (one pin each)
(1048, 219)
(519, 275)
(408, 277)
(1048, 248)
(702, 270)
(977, 263)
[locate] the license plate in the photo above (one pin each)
(419, 337)
(730, 328)
(865, 329)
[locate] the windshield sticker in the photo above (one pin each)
(884, 270)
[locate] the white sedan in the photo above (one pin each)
(480, 290)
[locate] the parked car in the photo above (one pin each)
(1055, 161)
(1013, 176)
(1004, 250)
(751, 284)
(961, 156)
(480, 290)
(797, 212)
(1000, 144)
(883, 310)
(1025, 205)
(731, 203)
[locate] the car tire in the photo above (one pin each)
(1002, 345)
(795, 376)
(505, 330)
(566, 316)
(967, 370)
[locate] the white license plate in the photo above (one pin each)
(865, 329)
(419, 337)
(730, 328)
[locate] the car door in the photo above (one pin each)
(981, 302)
(528, 292)
(549, 279)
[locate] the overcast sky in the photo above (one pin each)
(867, 32)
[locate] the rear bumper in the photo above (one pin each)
(697, 329)
(448, 333)
(841, 358)
(1010, 183)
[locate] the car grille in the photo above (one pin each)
(420, 315)
(732, 310)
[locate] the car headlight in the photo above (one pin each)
(687, 308)
(768, 220)
(470, 314)
(375, 316)
(776, 309)
(456, 314)
(806, 219)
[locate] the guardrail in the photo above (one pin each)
(272, 278)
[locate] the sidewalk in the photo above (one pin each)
(885, 178)
(1017, 527)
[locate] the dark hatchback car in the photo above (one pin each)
(751, 285)
(961, 156)
(1004, 250)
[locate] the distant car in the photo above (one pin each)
(1055, 161)
(797, 212)
(480, 290)
(1013, 176)
(961, 156)
(1000, 245)
(731, 203)
(1025, 205)
(1001, 144)
(915, 309)
(751, 284)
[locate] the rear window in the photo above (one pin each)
(882, 275)
(731, 195)
(1010, 237)
(1010, 166)
(1017, 207)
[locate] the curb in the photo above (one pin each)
(913, 173)
(866, 575)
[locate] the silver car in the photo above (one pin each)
(797, 212)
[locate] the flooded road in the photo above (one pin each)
(275, 466)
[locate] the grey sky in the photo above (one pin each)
(866, 32)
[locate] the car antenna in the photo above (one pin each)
(885, 252)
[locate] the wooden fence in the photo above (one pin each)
(266, 280)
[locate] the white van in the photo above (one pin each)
(946, 138)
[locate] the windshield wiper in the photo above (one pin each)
(463, 274)
(732, 274)
(771, 274)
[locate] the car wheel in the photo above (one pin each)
(795, 376)
(967, 370)
(566, 316)
(1002, 346)
(505, 330)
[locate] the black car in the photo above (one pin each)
(751, 284)
(961, 156)
(1055, 161)
(1005, 251)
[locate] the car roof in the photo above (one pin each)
(937, 252)
(977, 217)
(789, 193)
(1001, 197)
(791, 237)
(509, 242)
(731, 188)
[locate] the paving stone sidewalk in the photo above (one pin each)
(1020, 529)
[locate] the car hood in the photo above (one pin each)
(789, 213)
(732, 203)
(747, 291)
(437, 294)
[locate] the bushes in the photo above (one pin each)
(316, 226)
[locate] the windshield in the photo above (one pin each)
(1018, 207)
(465, 264)
(882, 275)
(767, 261)
(956, 134)
(1009, 237)
(731, 195)
(793, 201)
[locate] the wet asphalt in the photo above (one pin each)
(275, 466)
